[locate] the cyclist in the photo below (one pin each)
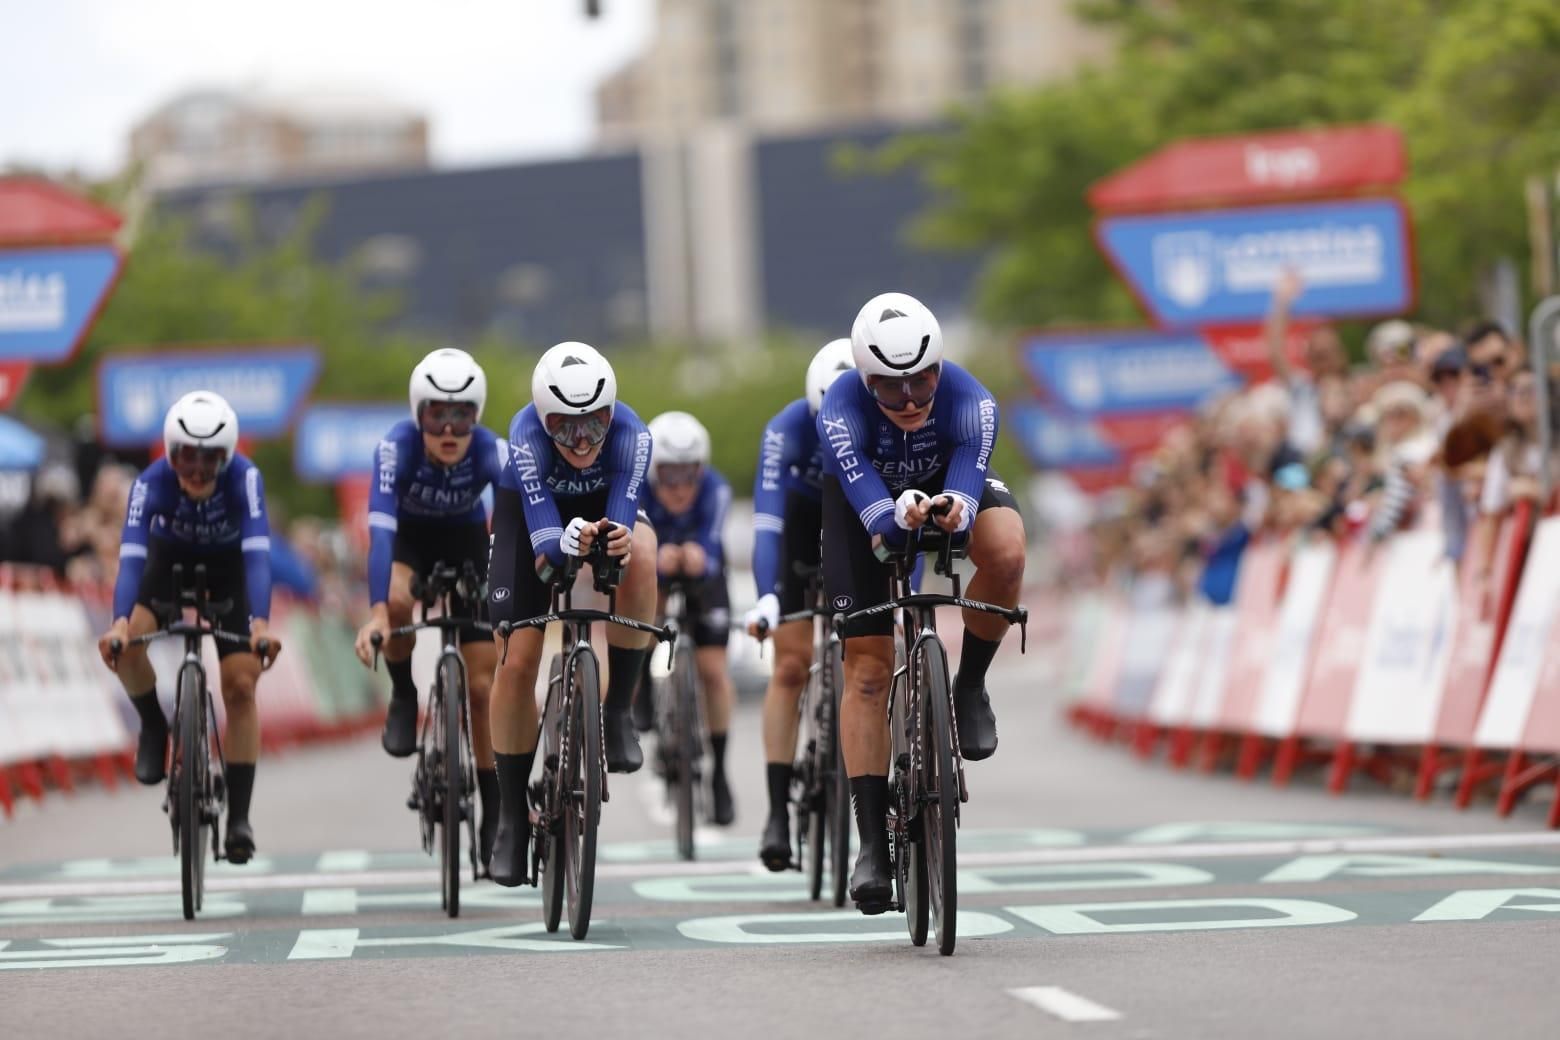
(687, 508)
(577, 464)
(787, 519)
(908, 432)
(424, 508)
(201, 503)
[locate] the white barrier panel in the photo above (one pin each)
(1085, 628)
(1408, 648)
(1299, 616)
(1218, 639)
(1149, 634)
(1172, 703)
(1516, 683)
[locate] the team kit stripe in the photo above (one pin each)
(130, 549)
(258, 543)
(383, 521)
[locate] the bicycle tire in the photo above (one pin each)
(583, 807)
(685, 739)
(552, 842)
(192, 826)
(940, 813)
(449, 687)
(839, 808)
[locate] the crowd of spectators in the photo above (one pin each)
(1434, 427)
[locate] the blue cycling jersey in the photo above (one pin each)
(790, 461)
(231, 517)
(875, 461)
(701, 523)
(408, 483)
(542, 475)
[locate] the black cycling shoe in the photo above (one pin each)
(400, 736)
(622, 743)
(977, 722)
(240, 843)
(872, 882)
(151, 754)
(644, 709)
(775, 849)
(506, 866)
(722, 809)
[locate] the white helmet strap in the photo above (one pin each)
(908, 365)
(601, 384)
(202, 436)
(446, 390)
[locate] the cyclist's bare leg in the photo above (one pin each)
(400, 734)
(512, 714)
(636, 596)
(792, 647)
(241, 747)
(481, 662)
(135, 670)
(869, 671)
(139, 679)
(400, 606)
(715, 677)
(997, 550)
(626, 653)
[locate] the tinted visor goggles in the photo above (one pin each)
(458, 417)
(678, 474)
(898, 393)
(196, 464)
(569, 430)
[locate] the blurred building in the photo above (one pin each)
(227, 136)
(792, 65)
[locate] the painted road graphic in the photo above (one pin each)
(1035, 884)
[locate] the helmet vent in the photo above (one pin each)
(890, 313)
(570, 360)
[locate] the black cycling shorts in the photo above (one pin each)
(224, 581)
(853, 578)
(515, 592)
(709, 610)
(799, 558)
(421, 542)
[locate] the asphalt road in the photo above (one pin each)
(1100, 897)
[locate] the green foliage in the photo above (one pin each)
(1474, 85)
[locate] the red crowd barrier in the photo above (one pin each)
(1387, 660)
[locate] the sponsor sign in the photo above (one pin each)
(20, 447)
(338, 440)
(50, 297)
(1115, 373)
(264, 384)
(1353, 256)
(1053, 439)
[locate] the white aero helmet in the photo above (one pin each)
(836, 356)
(896, 336)
(677, 438)
(204, 420)
(448, 375)
(573, 379)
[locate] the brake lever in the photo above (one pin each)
(377, 641)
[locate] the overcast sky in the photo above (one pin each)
(498, 79)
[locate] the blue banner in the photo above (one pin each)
(1353, 258)
(1123, 373)
(338, 440)
(1055, 440)
(265, 386)
(48, 298)
(20, 447)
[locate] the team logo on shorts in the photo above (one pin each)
(842, 602)
(500, 594)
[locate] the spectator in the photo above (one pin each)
(47, 532)
(1324, 360)
(1405, 446)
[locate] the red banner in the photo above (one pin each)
(13, 377)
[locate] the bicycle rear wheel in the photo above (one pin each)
(582, 777)
(450, 686)
(193, 748)
(940, 787)
(684, 763)
(839, 789)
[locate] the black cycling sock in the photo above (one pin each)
(401, 682)
(779, 776)
(718, 753)
(512, 771)
(975, 659)
(624, 666)
(240, 785)
(151, 712)
(870, 795)
(487, 787)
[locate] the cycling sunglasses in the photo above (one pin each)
(457, 416)
(678, 474)
(195, 463)
(569, 430)
(899, 393)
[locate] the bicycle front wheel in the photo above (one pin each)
(684, 764)
(193, 766)
(551, 837)
(581, 777)
(940, 788)
(839, 797)
(451, 687)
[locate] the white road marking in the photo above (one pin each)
(652, 795)
(1064, 1004)
(237, 882)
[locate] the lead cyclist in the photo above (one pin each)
(905, 432)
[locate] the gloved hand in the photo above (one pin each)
(911, 509)
(571, 536)
(765, 613)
